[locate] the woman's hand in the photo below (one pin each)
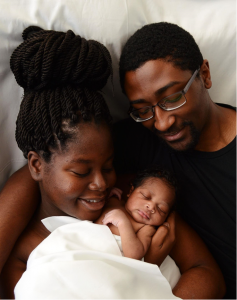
(162, 242)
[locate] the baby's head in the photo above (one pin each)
(63, 126)
(152, 196)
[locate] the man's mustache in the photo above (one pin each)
(172, 129)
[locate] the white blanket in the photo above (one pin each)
(81, 260)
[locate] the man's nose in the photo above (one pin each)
(99, 183)
(163, 119)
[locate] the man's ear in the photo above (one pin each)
(206, 74)
(131, 190)
(35, 165)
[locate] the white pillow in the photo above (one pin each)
(212, 23)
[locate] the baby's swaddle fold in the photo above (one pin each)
(81, 260)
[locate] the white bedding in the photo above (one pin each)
(82, 260)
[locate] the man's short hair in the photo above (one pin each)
(164, 41)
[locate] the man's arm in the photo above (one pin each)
(134, 245)
(18, 201)
(201, 277)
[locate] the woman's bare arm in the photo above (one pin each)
(201, 277)
(18, 201)
(11, 274)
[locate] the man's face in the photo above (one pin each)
(157, 79)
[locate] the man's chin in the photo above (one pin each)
(181, 146)
(184, 144)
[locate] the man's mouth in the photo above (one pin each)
(172, 136)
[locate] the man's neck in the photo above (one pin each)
(219, 130)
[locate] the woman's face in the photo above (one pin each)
(77, 181)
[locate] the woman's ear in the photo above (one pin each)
(206, 74)
(35, 165)
(131, 190)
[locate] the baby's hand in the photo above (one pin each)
(162, 242)
(116, 192)
(116, 217)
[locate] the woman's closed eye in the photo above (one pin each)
(81, 174)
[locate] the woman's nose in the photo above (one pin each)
(99, 183)
(163, 119)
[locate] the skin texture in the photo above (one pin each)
(73, 176)
(198, 124)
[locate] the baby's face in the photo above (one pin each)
(151, 202)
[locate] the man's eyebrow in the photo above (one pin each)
(157, 93)
(166, 87)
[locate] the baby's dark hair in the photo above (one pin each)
(164, 41)
(155, 172)
(61, 74)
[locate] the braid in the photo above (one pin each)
(61, 74)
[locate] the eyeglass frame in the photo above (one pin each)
(184, 91)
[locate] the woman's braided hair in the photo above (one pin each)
(61, 74)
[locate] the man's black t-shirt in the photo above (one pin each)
(207, 181)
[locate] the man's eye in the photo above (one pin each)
(144, 111)
(173, 99)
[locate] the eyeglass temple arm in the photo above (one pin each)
(190, 81)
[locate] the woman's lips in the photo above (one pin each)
(93, 204)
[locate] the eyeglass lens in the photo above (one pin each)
(168, 103)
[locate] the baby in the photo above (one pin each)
(150, 200)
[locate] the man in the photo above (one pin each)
(166, 80)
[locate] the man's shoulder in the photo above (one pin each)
(226, 105)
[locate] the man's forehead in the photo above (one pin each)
(154, 70)
(154, 77)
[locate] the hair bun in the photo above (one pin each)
(29, 31)
(48, 58)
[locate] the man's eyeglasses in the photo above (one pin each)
(171, 102)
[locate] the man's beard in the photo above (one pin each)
(195, 134)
